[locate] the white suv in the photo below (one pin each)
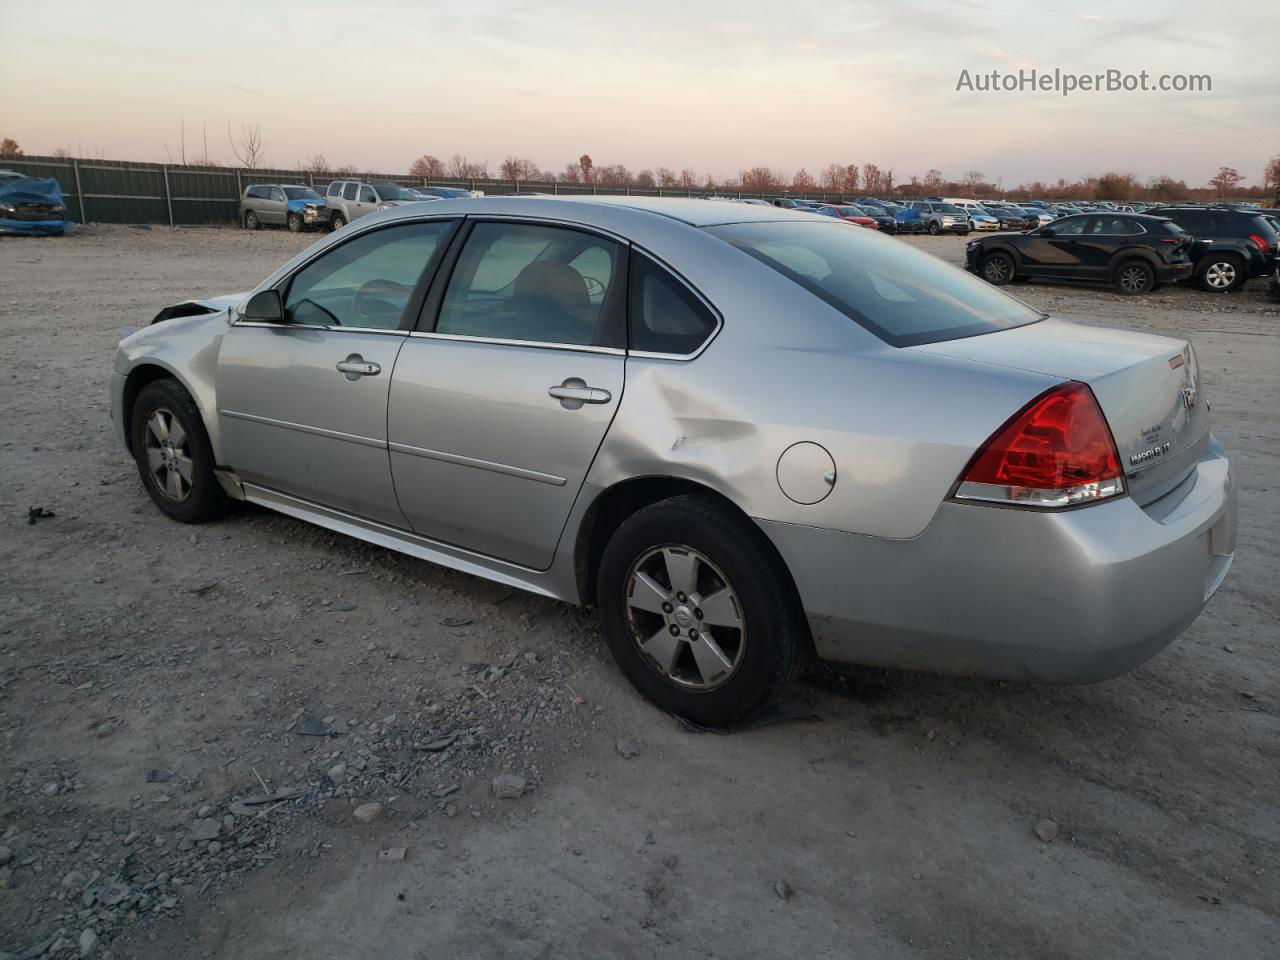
(348, 199)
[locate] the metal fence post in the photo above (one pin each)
(239, 186)
(168, 196)
(75, 167)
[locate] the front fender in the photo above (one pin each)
(187, 349)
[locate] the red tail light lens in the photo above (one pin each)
(1260, 242)
(1057, 451)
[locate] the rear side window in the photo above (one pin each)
(1193, 221)
(898, 293)
(665, 315)
(258, 193)
(349, 191)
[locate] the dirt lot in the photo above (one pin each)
(149, 670)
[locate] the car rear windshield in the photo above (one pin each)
(301, 193)
(900, 294)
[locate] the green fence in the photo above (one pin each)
(123, 191)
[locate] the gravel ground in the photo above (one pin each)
(190, 716)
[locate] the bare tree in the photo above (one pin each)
(572, 174)
(427, 167)
(666, 177)
(871, 179)
(1225, 179)
(645, 179)
(1271, 173)
(10, 148)
(688, 178)
(932, 180)
(972, 178)
(832, 177)
(802, 181)
(616, 175)
(250, 149)
(759, 180)
(463, 169)
(316, 163)
(586, 166)
(851, 178)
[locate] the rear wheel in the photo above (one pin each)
(251, 221)
(338, 222)
(1133, 277)
(174, 457)
(698, 614)
(1219, 273)
(295, 222)
(997, 268)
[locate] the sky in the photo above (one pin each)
(714, 86)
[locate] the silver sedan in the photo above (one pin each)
(747, 435)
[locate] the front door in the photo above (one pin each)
(498, 407)
(302, 404)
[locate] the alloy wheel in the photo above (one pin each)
(1133, 279)
(685, 617)
(996, 269)
(1220, 275)
(169, 455)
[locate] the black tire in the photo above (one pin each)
(1133, 277)
(295, 223)
(204, 498)
(251, 221)
(998, 268)
(337, 222)
(934, 229)
(774, 632)
(1215, 268)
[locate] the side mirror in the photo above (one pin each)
(1048, 232)
(266, 306)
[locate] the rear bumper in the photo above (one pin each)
(1070, 597)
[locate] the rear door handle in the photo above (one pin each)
(356, 366)
(573, 393)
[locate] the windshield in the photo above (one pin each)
(900, 294)
(391, 191)
(302, 193)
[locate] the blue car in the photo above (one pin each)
(32, 207)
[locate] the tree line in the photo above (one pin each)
(838, 178)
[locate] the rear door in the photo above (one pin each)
(501, 399)
(302, 404)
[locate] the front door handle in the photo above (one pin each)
(356, 366)
(574, 392)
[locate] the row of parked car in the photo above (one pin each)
(300, 207)
(1134, 247)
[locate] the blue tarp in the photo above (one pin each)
(27, 192)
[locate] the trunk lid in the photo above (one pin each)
(1148, 387)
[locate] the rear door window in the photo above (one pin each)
(516, 281)
(349, 192)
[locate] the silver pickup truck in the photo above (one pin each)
(348, 199)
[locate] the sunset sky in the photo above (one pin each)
(716, 86)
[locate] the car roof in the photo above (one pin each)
(693, 212)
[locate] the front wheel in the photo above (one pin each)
(338, 222)
(1133, 277)
(997, 268)
(295, 223)
(1221, 272)
(934, 229)
(174, 457)
(699, 615)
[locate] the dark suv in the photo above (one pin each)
(1231, 245)
(1133, 253)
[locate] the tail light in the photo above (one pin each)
(1260, 242)
(1171, 239)
(1057, 451)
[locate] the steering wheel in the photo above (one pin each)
(594, 286)
(377, 298)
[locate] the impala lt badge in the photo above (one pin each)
(1157, 451)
